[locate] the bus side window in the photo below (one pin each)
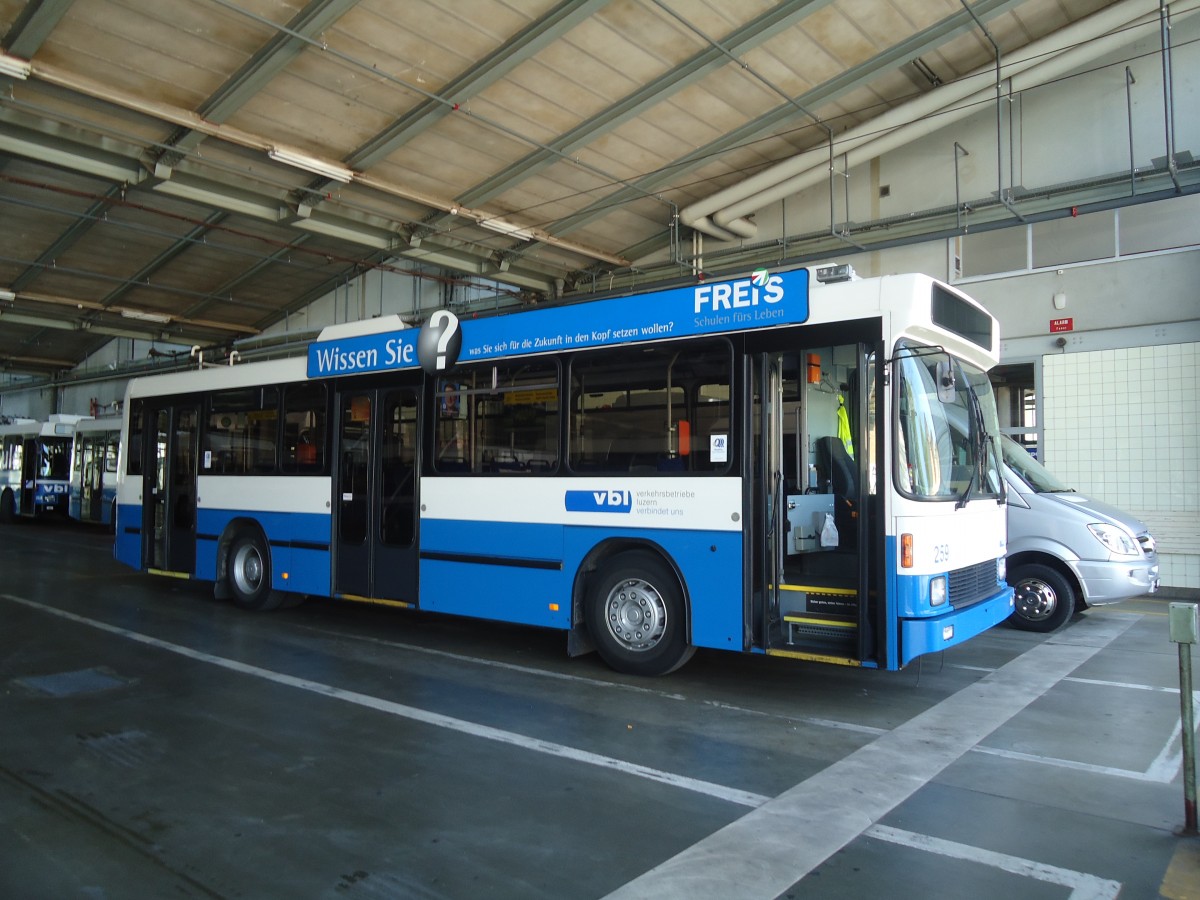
(304, 428)
(638, 410)
(499, 419)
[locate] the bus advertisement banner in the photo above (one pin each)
(762, 300)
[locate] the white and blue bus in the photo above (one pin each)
(93, 488)
(35, 466)
(758, 465)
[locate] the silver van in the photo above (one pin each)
(1066, 551)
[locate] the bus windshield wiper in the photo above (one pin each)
(979, 441)
(970, 489)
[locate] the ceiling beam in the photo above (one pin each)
(33, 25)
(270, 59)
(83, 161)
(67, 239)
(923, 42)
(693, 70)
(516, 50)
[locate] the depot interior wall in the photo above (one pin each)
(1066, 129)
(1118, 406)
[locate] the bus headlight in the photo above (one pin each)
(1002, 569)
(937, 590)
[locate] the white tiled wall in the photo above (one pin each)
(1124, 427)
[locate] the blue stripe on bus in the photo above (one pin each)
(464, 582)
(299, 545)
(504, 590)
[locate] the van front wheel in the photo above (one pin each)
(1044, 599)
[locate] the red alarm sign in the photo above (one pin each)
(1057, 325)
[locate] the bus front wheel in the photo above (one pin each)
(8, 506)
(635, 613)
(1044, 599)
(250, 574)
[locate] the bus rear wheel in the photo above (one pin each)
(635, 614)
(1044, 599)
(250, 574)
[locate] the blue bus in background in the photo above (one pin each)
(760, 465)
(35, 466)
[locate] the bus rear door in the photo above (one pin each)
(375, 494)
(169, 488)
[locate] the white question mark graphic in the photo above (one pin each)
(447, 322)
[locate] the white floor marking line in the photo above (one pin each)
(491, 663)
(1133, 686)
(487, 732)
(1082, 885)
(593, 682)
(768, 850)
(1162, 770)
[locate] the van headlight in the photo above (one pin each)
(937, 590)
(1117, 540)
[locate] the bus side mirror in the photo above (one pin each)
(945, 382)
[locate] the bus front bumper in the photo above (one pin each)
(932, 634)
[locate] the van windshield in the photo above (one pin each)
(1029, 470)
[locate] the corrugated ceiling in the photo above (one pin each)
(144, 167)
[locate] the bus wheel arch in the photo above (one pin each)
(635, 608)
(1046, 593)
(244, 567)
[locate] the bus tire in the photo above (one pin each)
(1044, 599)
(635, 614)
(249, 574)
(8, 506)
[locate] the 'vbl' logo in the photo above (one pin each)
(599, 501)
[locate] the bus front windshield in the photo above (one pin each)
(945, 443)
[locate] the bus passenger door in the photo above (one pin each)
(90, 473)
(169, 488)
(814, 436)
(30, 460)
(376, 492)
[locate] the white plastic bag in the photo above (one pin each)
(829, 532)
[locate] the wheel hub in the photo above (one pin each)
(248, 570)
(636, 614)
(1035, 600)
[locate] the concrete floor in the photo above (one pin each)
(158, 743)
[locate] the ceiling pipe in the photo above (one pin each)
(722, 214)
(1089, 44)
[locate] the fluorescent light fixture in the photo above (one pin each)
(14, 66)
(142, 315)
(6, 294)
(311, 164)
(507, 228)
